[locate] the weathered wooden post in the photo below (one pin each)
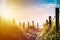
(20, 24)
(23, 25)
(37, 25)
(57, 22)
(47, 22)
(50, 21)
(33, 23)
(57, 19)
(28, 25)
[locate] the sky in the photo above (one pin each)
(58, 2)
(28, 10)
(58, 5)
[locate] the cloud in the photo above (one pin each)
(29, 2)
(38, 13)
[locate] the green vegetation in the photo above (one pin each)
(49, 33)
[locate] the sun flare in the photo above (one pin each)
(7, 13)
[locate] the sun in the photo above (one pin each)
(7, 13)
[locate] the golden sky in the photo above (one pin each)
(27, 10)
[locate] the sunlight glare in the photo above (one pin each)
(7, 13)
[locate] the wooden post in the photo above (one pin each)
(47, 22)
(57, 19)
(20, 24)
(37, 25)
(50, 21)
(33, 23)
(23, 25)
(28, 24)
